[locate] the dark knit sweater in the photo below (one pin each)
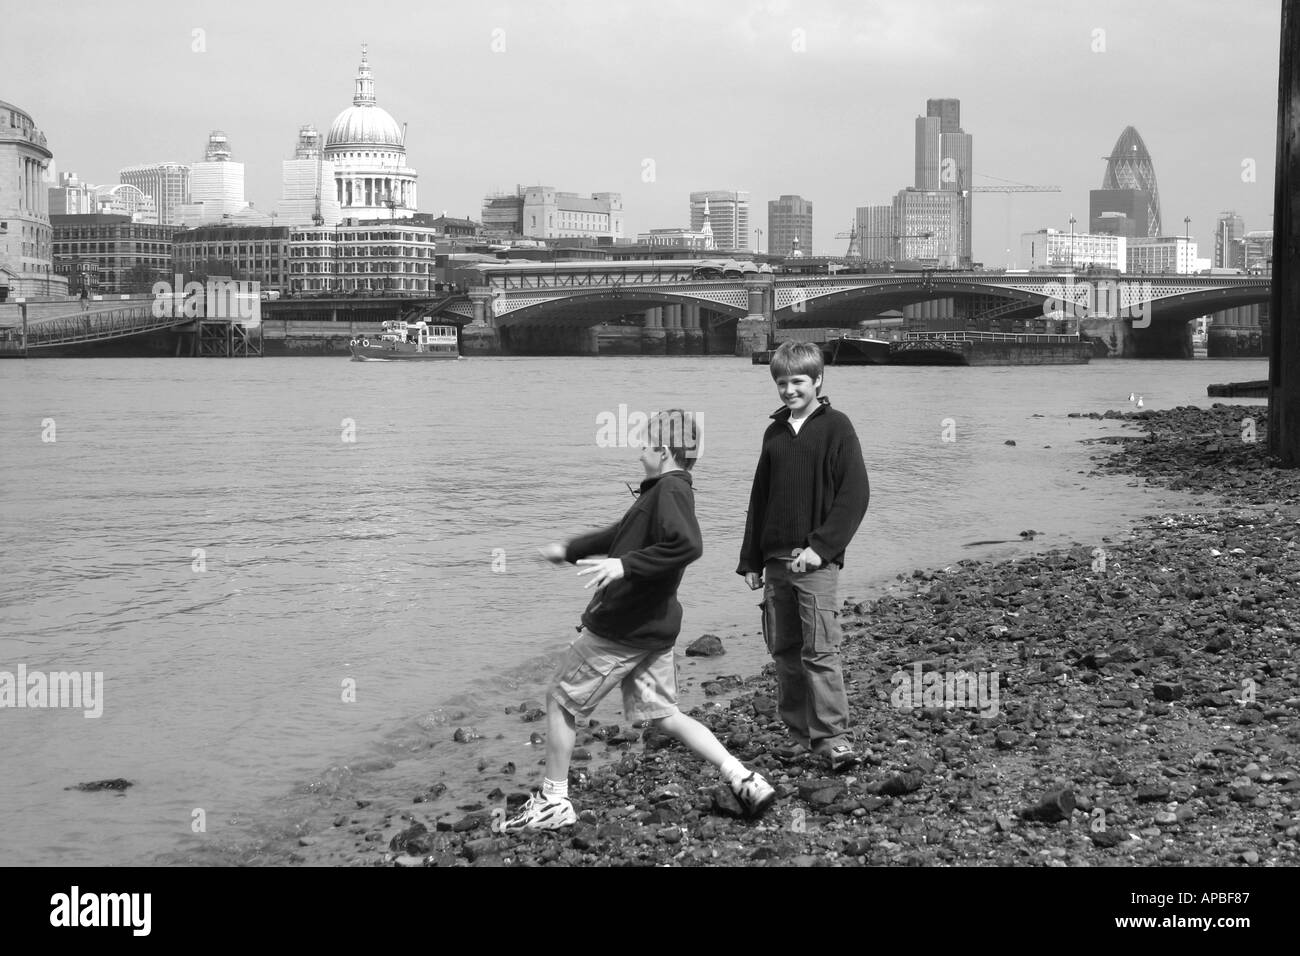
(656, 540)
(810, 489)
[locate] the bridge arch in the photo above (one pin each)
(594, 307)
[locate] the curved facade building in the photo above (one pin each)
(26, 237)
(1129, 167)
(368, 152)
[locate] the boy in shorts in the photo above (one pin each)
(809, 496)
(629, 628)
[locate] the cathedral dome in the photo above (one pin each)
(364, 123)
(364, 126)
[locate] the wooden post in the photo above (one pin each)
(1284, 352)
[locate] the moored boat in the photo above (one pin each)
(401, 341)
(855, 349)
(989, 348)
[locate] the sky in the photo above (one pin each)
(657, 99)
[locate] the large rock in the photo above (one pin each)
(710, 645)
(415, 840)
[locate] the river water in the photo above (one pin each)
(298, 576)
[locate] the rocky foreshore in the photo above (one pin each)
(1131, 702)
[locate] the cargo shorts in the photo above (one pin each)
(595, 665)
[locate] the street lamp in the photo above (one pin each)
(1187, 249)
(1072, 221)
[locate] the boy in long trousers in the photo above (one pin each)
(809, 496)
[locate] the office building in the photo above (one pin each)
(167, 183)
(1057, 251)
(944, 163)
(876, 235)
(928, 156)
(550, 214)
(1162, 254)
(377, 255)
(543, 212)
(247, 253)
(216, 185)
(789, 218)
(1257, 251)
(71, 197)
(728, 217)
(1228, 246)
(125, 256)
(308, 194)
(1119, 212)
(929, 226)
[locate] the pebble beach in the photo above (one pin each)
(1132, 703)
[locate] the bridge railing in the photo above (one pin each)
(965, 336)
(93, 327)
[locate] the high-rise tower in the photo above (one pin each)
(943, 164)
(1228, 246)
(1129, 167)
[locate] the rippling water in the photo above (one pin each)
(398, 569)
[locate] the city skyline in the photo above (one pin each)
(574, 95)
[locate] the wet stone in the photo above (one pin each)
(708, 645)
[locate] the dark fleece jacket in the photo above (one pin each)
(655, 540)
(810, 489)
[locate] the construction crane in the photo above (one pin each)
(1008, 188)
(855, 249)
(316, 216)
(855, 245)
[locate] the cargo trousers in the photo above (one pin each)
(802, 633)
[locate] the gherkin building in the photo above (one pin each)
(1129, 167)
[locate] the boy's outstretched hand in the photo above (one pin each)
(553, 553)
(604, 569)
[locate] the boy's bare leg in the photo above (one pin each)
(694, 735)
(754, 792)
(561, 734)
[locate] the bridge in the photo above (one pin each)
(692, 306)
(130, 324)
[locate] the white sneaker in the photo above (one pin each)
(754, 793)
(541, 813)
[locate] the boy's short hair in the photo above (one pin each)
(679, 432)
(798, 358)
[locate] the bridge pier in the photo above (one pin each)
(1162, 340)
(549, 340)
(1114, 334)
(719, 336)
(1238, 332)
(752, 330)
(654, 342)
(751, 335)
(481, 336)
(480, 340)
